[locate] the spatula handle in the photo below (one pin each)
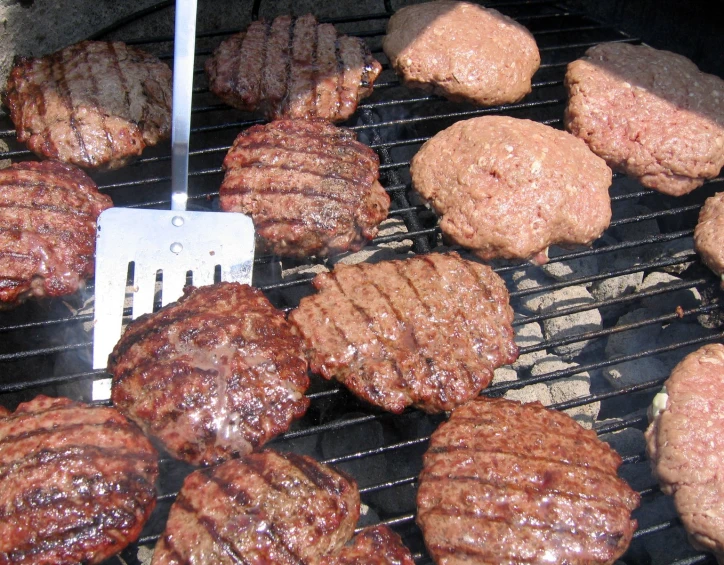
(183, 78)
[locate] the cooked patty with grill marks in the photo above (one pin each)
(509, 483)
(686, 446)
(293, 68)
(77, 482)
(214, 375)
(48, 214)
(425, 332)
(709, 234)
(263, 508)
(95, 104)
(310, 187)
(377, 545)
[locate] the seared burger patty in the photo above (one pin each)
(377, 545)
(509, 483)
(462, 51)
(95, 104)
(214, 375)
(709, 234)
(426, 332)
(48, 214)
(77, 482)
(310, 187)
(685, 443)
(509, 188)
(293, 68)
(263, 508)
(649, 113)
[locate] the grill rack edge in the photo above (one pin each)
(373, 121)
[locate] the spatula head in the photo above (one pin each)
(173, 242)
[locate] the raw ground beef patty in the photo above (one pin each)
(709, 234)
(651, 114)
(509, 188)
(685, 443)
(462, 51)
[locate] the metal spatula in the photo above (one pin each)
(175, 241)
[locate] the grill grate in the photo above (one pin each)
(46, 347)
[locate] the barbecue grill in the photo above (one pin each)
(623, 311)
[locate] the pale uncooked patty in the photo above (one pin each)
(509, 188)
(709, 234)
(462, 51)
(686, 446)
(651, 114)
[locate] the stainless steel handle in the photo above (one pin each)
(183, 78)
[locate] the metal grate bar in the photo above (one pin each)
(630, 298)
(703, 558)
(601, 276)
(463, 114)
(378, 451)
(656, 528)
(399, 197)
(591, 398)
(602, 364)
(609, 248)
(391, 484)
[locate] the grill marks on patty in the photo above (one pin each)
(425, 332)
(94, 104)
(310, 187)
(293, 68)
(212, 376)
(265, 507)
(77, 482)
(48, 214)
(510, 483)
(376, 545)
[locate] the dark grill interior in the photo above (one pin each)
(45, 347)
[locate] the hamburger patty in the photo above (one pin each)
(293, 68)
(263, 508)
(214, 375)
(709, 234)
(462, 51)
(48, 214)
(509, 188)
(509, 483)
(95, 104)
(651, 114)
(425, 332)
(77, 482)
(310, 187)
(376, 545)
(686, 446)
